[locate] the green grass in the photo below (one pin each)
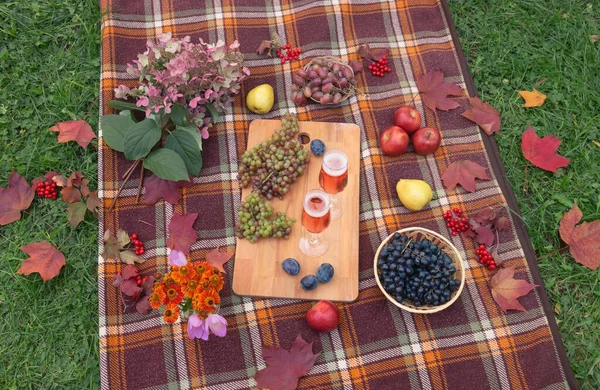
(49, 71)
(517, 45)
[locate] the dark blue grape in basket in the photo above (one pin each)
(291, 266)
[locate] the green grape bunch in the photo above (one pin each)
(254, 223)
(273, 165)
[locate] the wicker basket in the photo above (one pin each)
(417, 233)
(322, 61)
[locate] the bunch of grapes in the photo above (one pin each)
(324, 81)
(274, 164)
(253, 220)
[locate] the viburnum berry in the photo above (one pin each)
(379, 67)
(486, 258)
(456, 224)
(47, 189)
(137, 244)
(287, 53)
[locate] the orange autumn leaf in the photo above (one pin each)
(217, 259)
(506, 289)
(486, 116)
(583, 239)
(44, 259)
(78, 131)
(533, 99)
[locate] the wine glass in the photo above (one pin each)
(333, 178)
(315, 219)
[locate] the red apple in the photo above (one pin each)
(323, 317)
(393, 141)
(408, 118)
(426, 141)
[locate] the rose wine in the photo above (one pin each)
(315, 215)
(334, 172)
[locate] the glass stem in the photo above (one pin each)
(313, 238)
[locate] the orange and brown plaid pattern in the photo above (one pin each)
(472, 344)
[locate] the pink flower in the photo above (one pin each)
(197, 328)
(177, 258)
(216, 324)
(204, 132)
(148, 111)
(153, 91)
(142, 101)
(168, 108)
(194, 102)
(121, 91)
(157, 108)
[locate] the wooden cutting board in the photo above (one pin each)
(257, 270)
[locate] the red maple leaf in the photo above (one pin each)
(506, 289)
(583, 239)
(14, 199)
(157, 188)
(486, 116)
(485, 216)
(217, 258)
(44, 259)
(285, 368)
(78, 131)
(434, 91)
(541, 152)
(485, 235)
(182, 234)
(463, 172)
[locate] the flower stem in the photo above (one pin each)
(131, 169)
(139, 190)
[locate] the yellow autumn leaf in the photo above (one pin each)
(596, 143)
(533, 99)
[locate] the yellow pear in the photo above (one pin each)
(260, 99)
(414, 194)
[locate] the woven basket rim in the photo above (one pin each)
(456, 259)
(332, 59)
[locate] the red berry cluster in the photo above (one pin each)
(286, 53)
(47, 189)
(139, 280)
(485, 257)
(457, 224)
(379, 68)
(139, 245)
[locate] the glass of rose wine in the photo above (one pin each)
(334, 178)
(315, 219)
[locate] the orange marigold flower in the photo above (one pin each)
(174, 295)
(155, 300)
(201, 267)
(171, 315)
(206, 300)
(190, 289)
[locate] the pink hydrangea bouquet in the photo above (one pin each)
(183, 88)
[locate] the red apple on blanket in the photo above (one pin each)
(426, 141)
(407, 118)
(323, 317)
(393, 141)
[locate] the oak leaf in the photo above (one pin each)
(541, 152)
(533, 99)
(506, 289)
(486, 116)
(464, 172)
(78, 131)
(156, 188)
(75, 213)
(44, 259)
(285, 368)
(583, 239)
(181, 233)
(217, 259)
(435, 92)
(14, 199)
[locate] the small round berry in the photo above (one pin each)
(482, 246)
(134, 236)
(137, 270)
(492, 267)
(141, 251)
(456, 210)
(454, 232)
(283, 60)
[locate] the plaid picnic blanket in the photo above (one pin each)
(472, 344)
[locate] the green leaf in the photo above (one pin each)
(194, 132)
(213, 112)
(76, 213)
(119, 105)
(114, 128)
(185, 145)
(178, 114)
(166, 164)
(140, 139)
(128, 257)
